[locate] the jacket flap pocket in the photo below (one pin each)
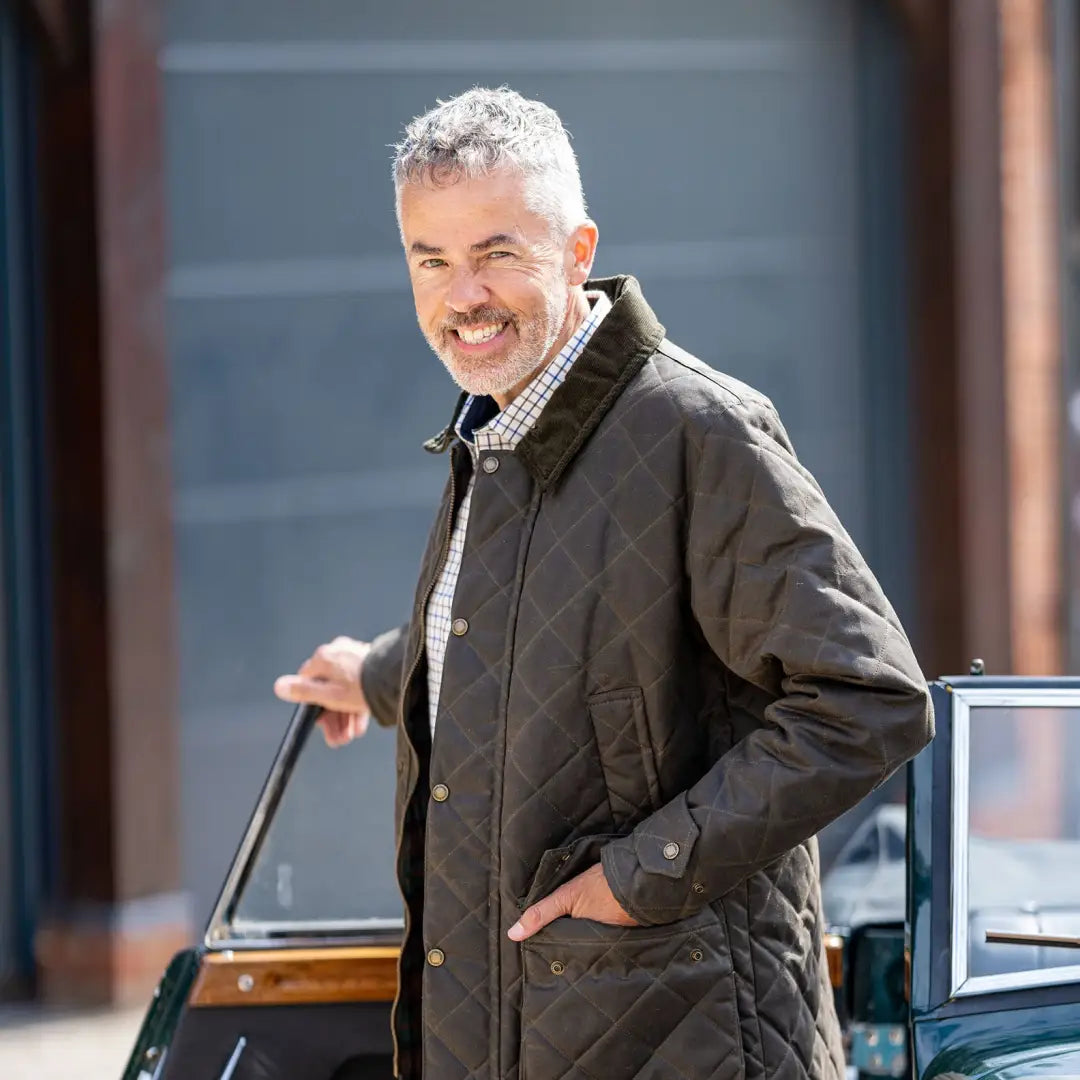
(626, 753)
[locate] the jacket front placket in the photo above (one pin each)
(461, 911)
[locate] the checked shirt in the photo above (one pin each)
(482, 428)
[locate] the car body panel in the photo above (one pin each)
(158, 1027)
(1001, 1045)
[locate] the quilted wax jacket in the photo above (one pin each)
(667, 656)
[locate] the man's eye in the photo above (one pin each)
(432, 264)
(500, 255)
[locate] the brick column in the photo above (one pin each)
(1033, 375)
(118, 915)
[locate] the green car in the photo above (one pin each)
(972, 969)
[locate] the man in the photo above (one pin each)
(645, 663)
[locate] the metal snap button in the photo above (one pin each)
(245, 984)
(698, 887)
(440, 793)
(671, 851)
(697, 955)
(459, 627)
(436, 957)
(557, 967)
(490, 464)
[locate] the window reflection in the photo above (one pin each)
(326, 863)
(1024, 839)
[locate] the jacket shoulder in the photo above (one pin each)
(703, 393)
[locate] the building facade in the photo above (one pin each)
(214, 391)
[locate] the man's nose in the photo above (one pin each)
(466, 291)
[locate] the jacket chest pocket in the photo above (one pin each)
(649, 1002)
(626, 755)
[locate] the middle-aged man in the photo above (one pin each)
(645, 663)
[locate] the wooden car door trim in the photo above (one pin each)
(966, 698)
(296, 976)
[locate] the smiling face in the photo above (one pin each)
(497, 292)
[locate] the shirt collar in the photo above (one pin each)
(483, 426)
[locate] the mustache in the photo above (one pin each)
(477, 317)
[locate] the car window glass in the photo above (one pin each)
(1024, 835)
(326, 863)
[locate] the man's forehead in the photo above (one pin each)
(468, 212)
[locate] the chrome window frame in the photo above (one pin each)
(964, 700)
(221, 932)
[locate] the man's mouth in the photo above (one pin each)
(479, 335)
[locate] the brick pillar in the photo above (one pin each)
(1033, 375)
(118, 914)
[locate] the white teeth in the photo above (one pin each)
(477, 335)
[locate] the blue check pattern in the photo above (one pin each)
(502, 432)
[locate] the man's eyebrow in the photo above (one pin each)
(418, 247)
(498, 240)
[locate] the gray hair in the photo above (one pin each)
(481, 131)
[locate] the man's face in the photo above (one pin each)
(491, 281)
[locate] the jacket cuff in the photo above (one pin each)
(650, 872)
(380, 677)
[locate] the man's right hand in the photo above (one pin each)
(331, 678)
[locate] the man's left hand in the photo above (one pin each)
(585, 897)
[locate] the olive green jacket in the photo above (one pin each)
(677, 663)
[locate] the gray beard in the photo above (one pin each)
(535, 340)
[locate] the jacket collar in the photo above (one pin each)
(628, 336)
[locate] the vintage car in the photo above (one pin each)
(972, 969)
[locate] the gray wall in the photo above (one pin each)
(719, 150)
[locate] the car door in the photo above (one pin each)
(994, 881)
(298, 967)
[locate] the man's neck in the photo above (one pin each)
(576, 312)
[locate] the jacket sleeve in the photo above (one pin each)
(787, 603)
(381, 676)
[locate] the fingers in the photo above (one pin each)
(331, 678)
(305, 691)
(319, 667)
(340, 728)
(541, 913)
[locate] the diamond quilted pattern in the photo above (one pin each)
(676, 662)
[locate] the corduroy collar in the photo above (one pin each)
(628, 336)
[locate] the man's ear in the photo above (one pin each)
(581, 251)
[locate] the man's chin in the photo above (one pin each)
(481, 382)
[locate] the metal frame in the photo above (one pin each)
(964, 700)
(223, 933)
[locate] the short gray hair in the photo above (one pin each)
(481, 131)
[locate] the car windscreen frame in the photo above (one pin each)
(964, 699)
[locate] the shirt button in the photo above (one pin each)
(490, 464)
(436, 957)
(440, 793)
(459, 627)
(671, 851)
